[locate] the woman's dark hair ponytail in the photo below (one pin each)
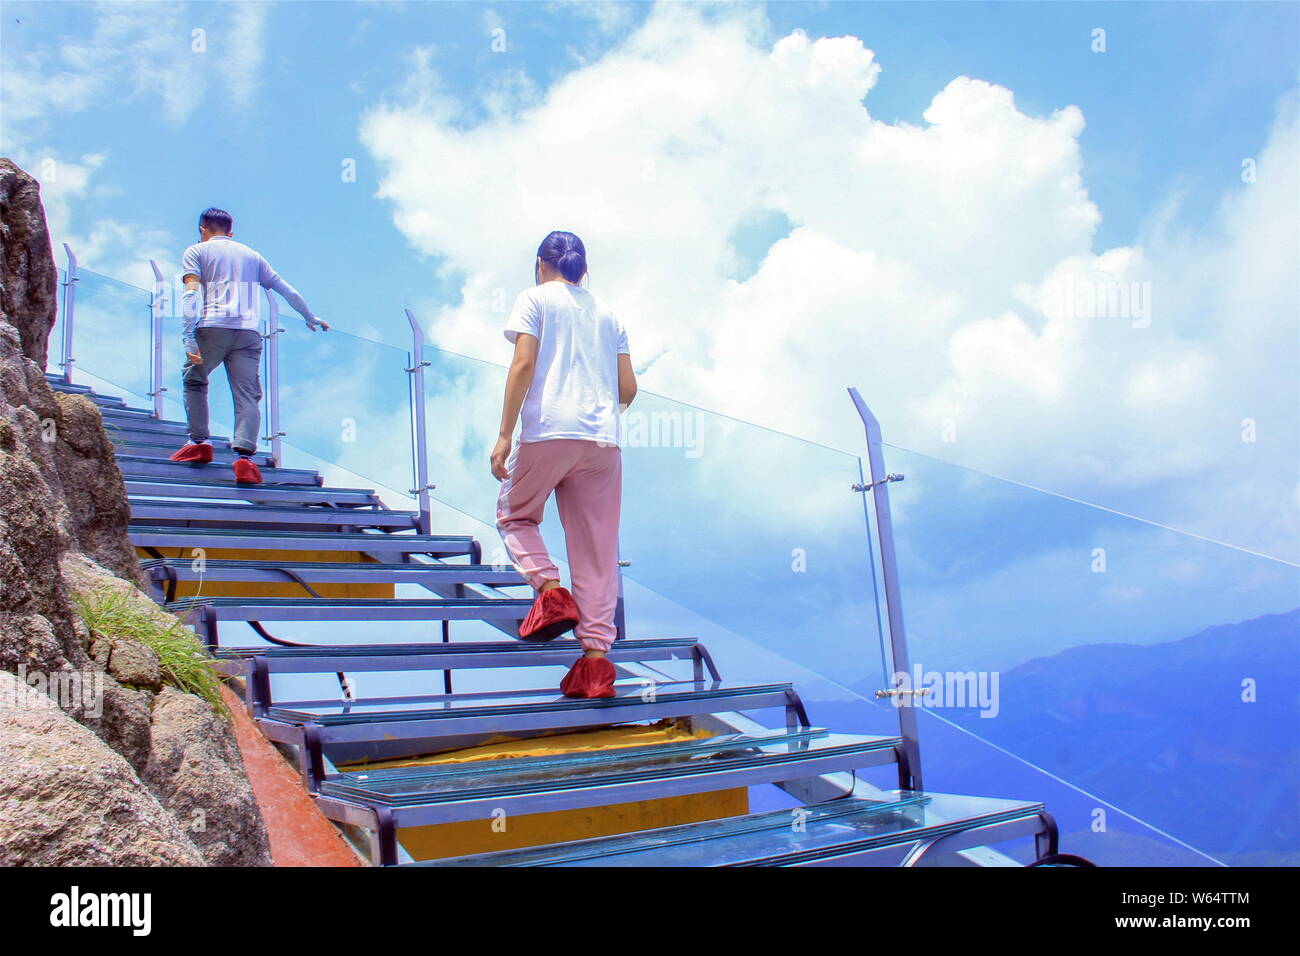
(565, 252)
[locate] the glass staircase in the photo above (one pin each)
(202, 538)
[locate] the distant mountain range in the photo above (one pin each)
(1159, 730)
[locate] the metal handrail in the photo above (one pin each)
(909, 764)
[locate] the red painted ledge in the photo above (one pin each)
(300, 834)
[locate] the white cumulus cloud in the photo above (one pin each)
(946, 269)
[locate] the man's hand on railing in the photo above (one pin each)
(315, 322)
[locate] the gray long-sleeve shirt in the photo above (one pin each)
(232, 276)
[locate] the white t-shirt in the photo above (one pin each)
(233, 277)
(574, 392)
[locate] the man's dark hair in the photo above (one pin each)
(217, 220)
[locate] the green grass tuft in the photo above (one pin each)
(182, 660)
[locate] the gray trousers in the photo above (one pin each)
(240, 351)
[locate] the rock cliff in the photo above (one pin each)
(124, 770)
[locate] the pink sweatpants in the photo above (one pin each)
(587, 479)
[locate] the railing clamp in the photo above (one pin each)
(418, 367)
(899, 693)
(416, 491)
(625, 564)
(157, 391)
(265, 437)
(867, 487)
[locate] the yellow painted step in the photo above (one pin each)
(564, 826)
(509, 833)
(186, 589)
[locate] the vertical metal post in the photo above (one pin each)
(620, 609)
(157, 316)
(909, 767)
(69, 310)
(271, 359)
(419, 446)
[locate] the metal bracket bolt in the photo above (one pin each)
(899, 693)
(867, 487)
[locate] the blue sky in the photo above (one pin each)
(918, 248)
(1183, 91)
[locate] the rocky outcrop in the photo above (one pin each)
(121, 742)
(30, 289)
(93, 492)
(182, 748)
(66, 799)
(196, 770)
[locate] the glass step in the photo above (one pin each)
(398, 786)
(354, 609)
(169, 537)
(465, 648)
(361, 538)
(174, 488)
(334, 571)
(136, 467)
(235, 510)
(163, 449)
(434, 795)
(133, 430)
(156, 422)
(268, 662)
(832, 830)
(531, 702)
(236, 506)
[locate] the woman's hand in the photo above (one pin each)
(499, 455)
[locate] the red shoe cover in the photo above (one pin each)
(553, 612)
(589, 677)
(199, 454)
(247, 472)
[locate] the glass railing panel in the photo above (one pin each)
(111, 334)
(754, 529)
(346, 399)
(54, 355)
(1141, 681)
(749, 538)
